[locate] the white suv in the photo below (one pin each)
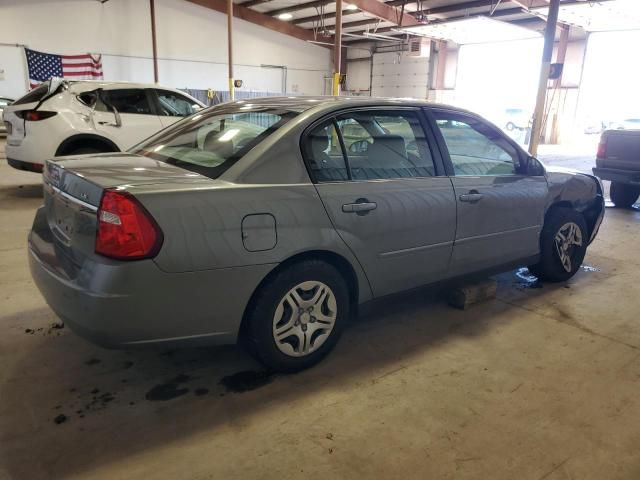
(62, 117)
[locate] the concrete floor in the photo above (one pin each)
(541, 383)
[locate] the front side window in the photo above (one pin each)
(174, 105)
(210, 143)
(475, 148)
(385, 144)
(129, 100)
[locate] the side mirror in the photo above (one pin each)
(533, 167)
(361, 146)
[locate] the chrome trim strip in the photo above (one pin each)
(495, 234)
(73, 199)
(393, 253)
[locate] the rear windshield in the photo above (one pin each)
(34, 95)
(210, 142)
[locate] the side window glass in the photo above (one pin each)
(384, 144)
(324, 154)
(127, 101)
(174, 105)
(475, 148)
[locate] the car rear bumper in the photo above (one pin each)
(615, 175)
(26, 166)
(124, 304)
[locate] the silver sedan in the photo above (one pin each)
(272, 220)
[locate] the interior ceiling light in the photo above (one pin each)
(599, 16)
(285, 16)
(351, 7)
(473, 30)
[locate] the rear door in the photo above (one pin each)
(383, 190)
(138, 119)
(500, 207)
(172, 106)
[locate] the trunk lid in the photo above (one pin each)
(73, 188)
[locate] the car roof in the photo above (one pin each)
(328, 103)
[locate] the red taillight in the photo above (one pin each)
(34, 115)
(126, 231)
(602, 148)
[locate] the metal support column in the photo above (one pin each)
(230, 45)
(152, 9)
(547, 52)
(337, 49)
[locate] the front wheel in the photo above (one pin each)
(297, 316)
(563, 245)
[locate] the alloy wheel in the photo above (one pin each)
(569, 237)
(304, 318)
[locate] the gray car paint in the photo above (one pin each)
(196, 289)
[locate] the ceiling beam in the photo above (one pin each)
(263, 20)
(326, 16)
(300, 6)
(386, 12)
(253, 3)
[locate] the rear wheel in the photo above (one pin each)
(297, 316)
(623, 195)
(563, 245)
(510, 126)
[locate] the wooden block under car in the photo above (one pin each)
(467, 295)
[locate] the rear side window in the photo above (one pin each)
(34, 95)
(133, 100)
(377, 145)
(326, 158)
(475, 148)
(210, 143)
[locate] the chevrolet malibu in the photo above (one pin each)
(272, 220)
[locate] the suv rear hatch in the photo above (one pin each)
(15, 115)
(64, 231)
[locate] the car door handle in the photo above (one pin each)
(472, 197)
(359, 207)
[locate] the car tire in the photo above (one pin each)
(277, 334)
(623, 195)
(563, 245)
(510, 126)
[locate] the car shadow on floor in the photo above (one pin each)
(69, 407)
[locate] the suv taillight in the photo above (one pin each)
(34, 115)
(602, 148)
(126, 231)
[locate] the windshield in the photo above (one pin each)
(209, 143)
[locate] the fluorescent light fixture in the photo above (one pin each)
(285, 16)
(351, 7)
(473, 30)
(599, 16)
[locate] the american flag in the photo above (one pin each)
(43, 66)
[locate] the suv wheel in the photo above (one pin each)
(297, 316)
(563, 245)
(623, 195)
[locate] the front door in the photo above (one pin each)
(137, 119)
(500, 207)
(378, 181)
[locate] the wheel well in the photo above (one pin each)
(590, 214)
(339, 262)
(86, 141)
